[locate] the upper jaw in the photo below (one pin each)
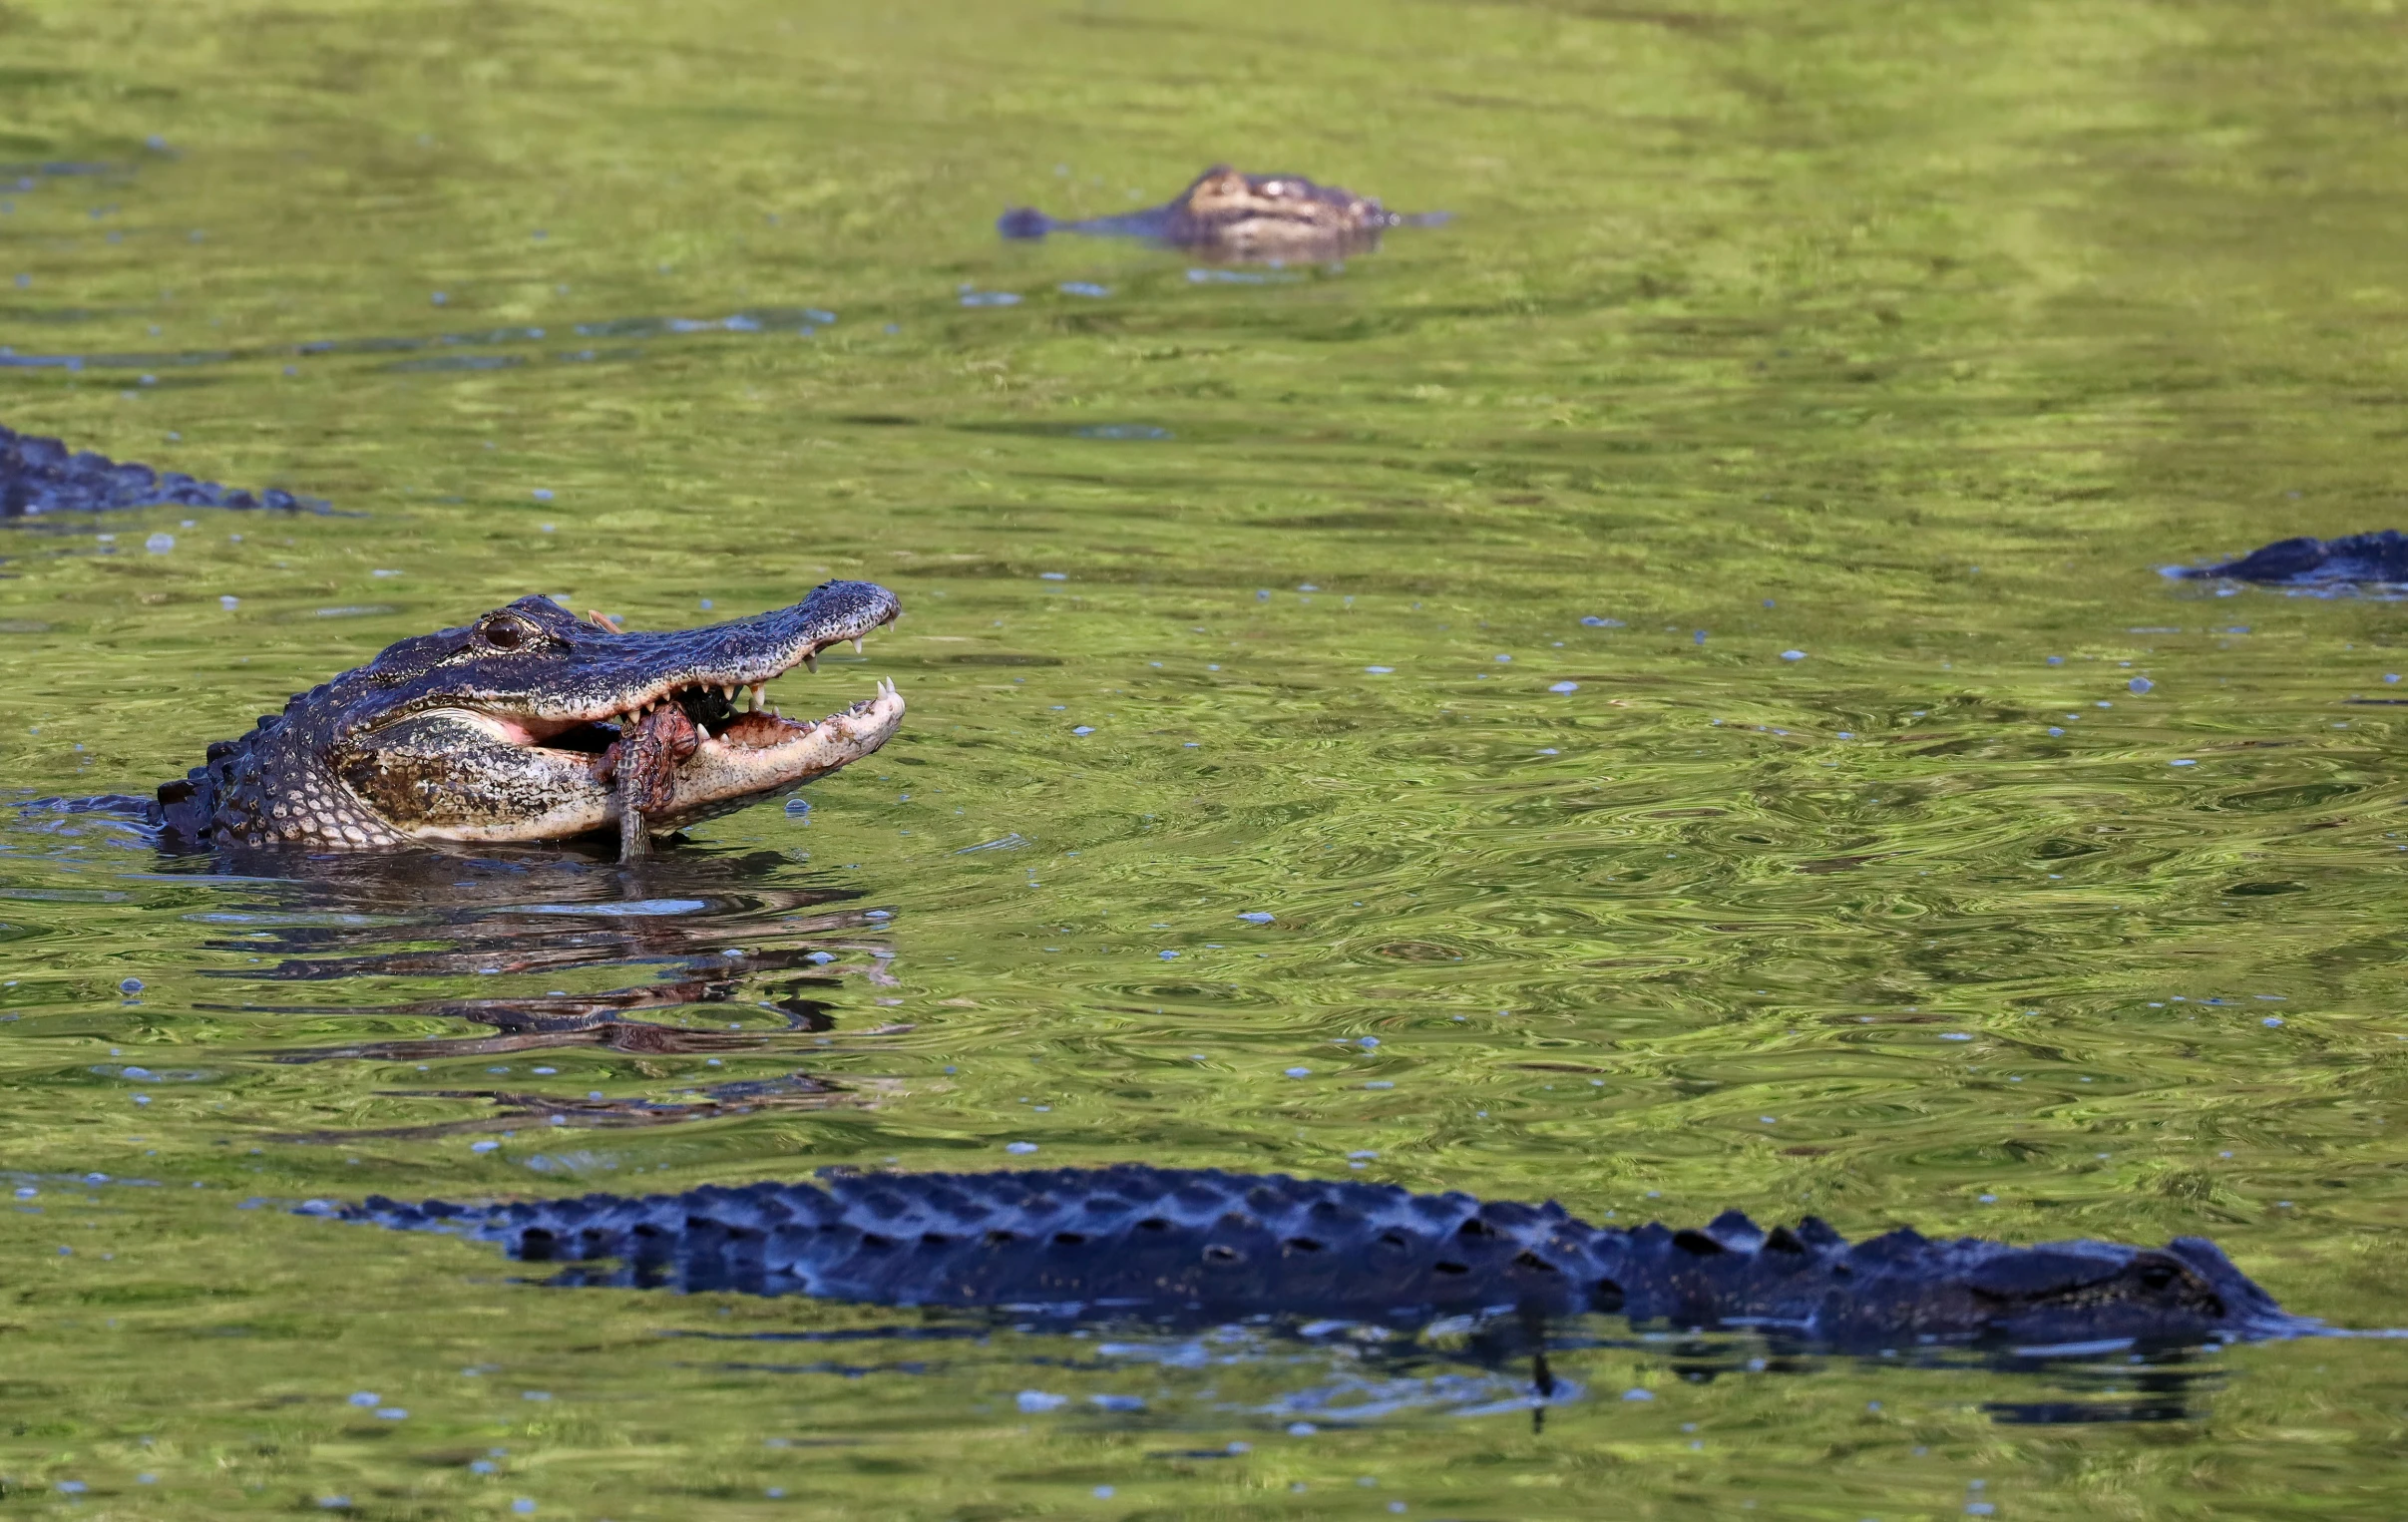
(740, 654)
(601, 676)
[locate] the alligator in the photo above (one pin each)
(2376, 559)
(41, 476)
(1228, 215)
(534, 724)
(1131, 1242)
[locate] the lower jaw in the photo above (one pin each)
(719, 778)
(723, 775)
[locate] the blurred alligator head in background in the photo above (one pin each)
(1231, 216)
(533, 725)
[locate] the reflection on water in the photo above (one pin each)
(1635, 698)
(719, 969)
(789, 321)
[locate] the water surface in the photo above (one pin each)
(1676, 655)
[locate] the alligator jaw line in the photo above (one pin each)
(753, 752)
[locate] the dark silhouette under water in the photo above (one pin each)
(2377, 559)
(43, 476)
(1181, 1244)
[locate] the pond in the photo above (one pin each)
(1656, 694)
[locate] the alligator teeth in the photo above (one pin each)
(811, 660)
(857, 645)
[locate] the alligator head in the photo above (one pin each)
(533, 725)
(1227, 214)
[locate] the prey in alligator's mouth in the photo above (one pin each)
(534, 724)
(697, 737)
(694, 752)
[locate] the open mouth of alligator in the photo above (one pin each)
(723, 728)
(729, 715)
(699, 739)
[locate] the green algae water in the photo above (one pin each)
(1656, 694)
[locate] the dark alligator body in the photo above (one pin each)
(40, 476)
(2378, 558)
(1227, 214)
(1189, 1245)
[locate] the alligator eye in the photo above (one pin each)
(503, 634)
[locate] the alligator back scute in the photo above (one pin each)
(1736, 1232)
(1898, 1245)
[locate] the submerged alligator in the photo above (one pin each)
(1242, 217)
(41, 476)
(533, 725)
(2372, 558)
(1201, 1245)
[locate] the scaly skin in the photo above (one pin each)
(531, 724)
(1201, 1245)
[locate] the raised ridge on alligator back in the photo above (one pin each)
(1202, 1245)
(39, 476)
(1224, 213)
